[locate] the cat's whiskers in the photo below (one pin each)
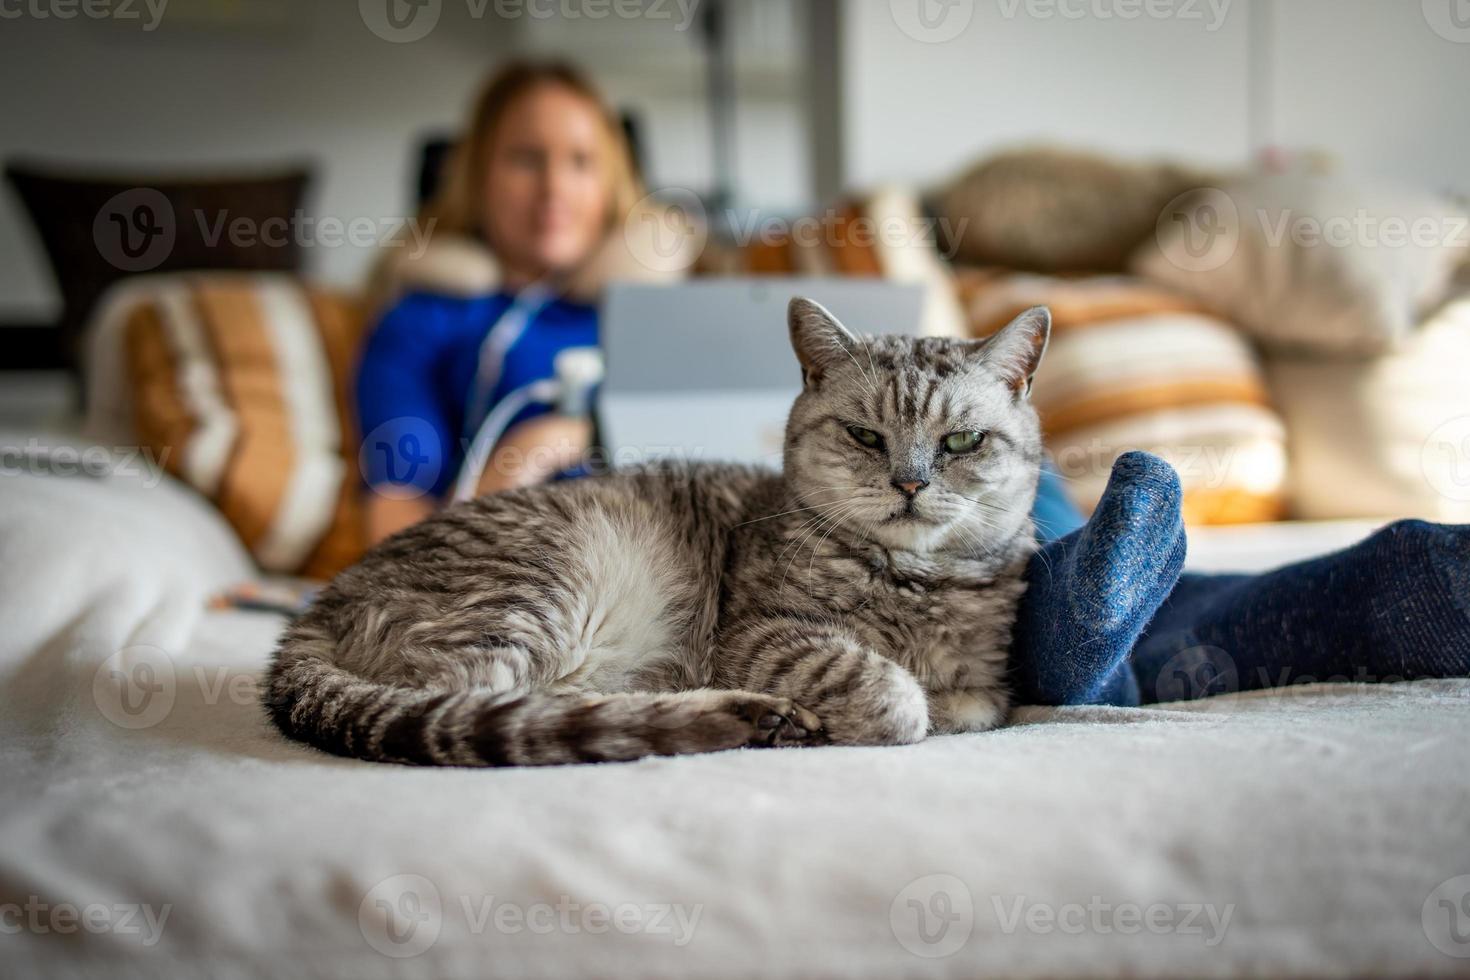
(976, 541)
(979, 513)
(798, 510)
(815, 524)
(834, 518)
(976, 514)
(818, 547)
(798, 536)
(872, 379)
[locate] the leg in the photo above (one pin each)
(859, 697)
(1396, 606)
(1091, 593)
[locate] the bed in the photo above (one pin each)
(153, 825)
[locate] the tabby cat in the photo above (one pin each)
(865, 596)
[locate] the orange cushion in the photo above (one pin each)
(241, 384)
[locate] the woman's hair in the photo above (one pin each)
(458, 205)
(457, 209)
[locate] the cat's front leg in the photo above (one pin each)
(961, 710)
(860, 697)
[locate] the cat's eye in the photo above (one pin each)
(865, 437)
(963, 442)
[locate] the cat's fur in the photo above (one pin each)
(687, 608)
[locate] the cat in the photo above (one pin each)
(863, 596)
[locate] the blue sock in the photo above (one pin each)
(1395, 606)
(1091, 593)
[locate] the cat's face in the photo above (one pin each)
(919, 444)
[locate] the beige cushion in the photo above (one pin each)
(1309, 265)
(1050, 209)
(1388, 437)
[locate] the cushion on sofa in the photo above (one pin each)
(1054, 210)
(1386, 437)
(1310, 266)
(1132, 367)
(100, 227)
(241, 384)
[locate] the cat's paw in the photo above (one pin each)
(960, 711)
(780, 722)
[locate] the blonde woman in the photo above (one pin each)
(534, 197)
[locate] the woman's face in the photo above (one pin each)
(546, 187)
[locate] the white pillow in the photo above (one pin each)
(1305, 264)
(1388, 437)
(104, 549)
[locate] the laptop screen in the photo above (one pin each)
(704, 370)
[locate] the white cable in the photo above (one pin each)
(477, 457)
(578, 371)
(526, 306)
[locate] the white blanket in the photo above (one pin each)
(152, 825)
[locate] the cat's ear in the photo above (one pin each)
(1014, 351)
(819, 340)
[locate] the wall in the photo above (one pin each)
(309, 85)
(917, 108)
(1373, 81)
(1209, 80)
(1368, 79)
(234, 85)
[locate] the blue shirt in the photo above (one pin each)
(418, 372)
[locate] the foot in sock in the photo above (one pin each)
(1091, 593)
(1395, 606)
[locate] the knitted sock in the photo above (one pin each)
(1092, 592)
(1395, 606)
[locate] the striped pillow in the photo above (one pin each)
(1134, 367)
(244, 382)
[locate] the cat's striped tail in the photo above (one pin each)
(317, 702)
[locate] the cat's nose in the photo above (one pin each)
(910, 487)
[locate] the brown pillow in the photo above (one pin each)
(170, 224)
(1053, 210)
